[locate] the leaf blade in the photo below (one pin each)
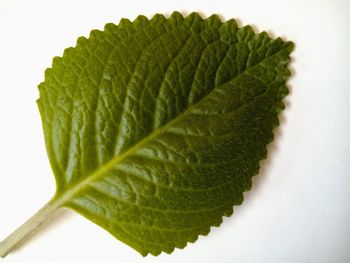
(221, 124)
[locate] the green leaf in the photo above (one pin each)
(154, 128)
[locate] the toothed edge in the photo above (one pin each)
(176, 19)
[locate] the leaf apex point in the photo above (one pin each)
(141, 19)
(81, 40)
(176, 13)
(176, 16)
(214, 18)
(290, 46)
(229, 211)
(123, 23)
(249, 28)
(47, 75)
(41, 86)
(265, 34)
(193, 17)
(109, 27)
(218, 222)
(157, 17)
(95, 33)
(55, 61)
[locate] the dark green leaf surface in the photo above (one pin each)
(154, 128)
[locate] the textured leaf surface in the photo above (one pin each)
(154, 128)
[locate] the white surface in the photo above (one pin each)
(298, 210)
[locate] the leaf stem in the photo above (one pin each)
(28, 228)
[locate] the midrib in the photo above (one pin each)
(62, 198)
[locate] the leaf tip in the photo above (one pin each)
(194, 16)
(213, 20)
(176, 17)
(81, 40)
(95, 33)
(140, 21)
(290, 46)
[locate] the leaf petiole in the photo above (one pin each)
(28, 228)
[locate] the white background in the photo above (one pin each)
(298, 210)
